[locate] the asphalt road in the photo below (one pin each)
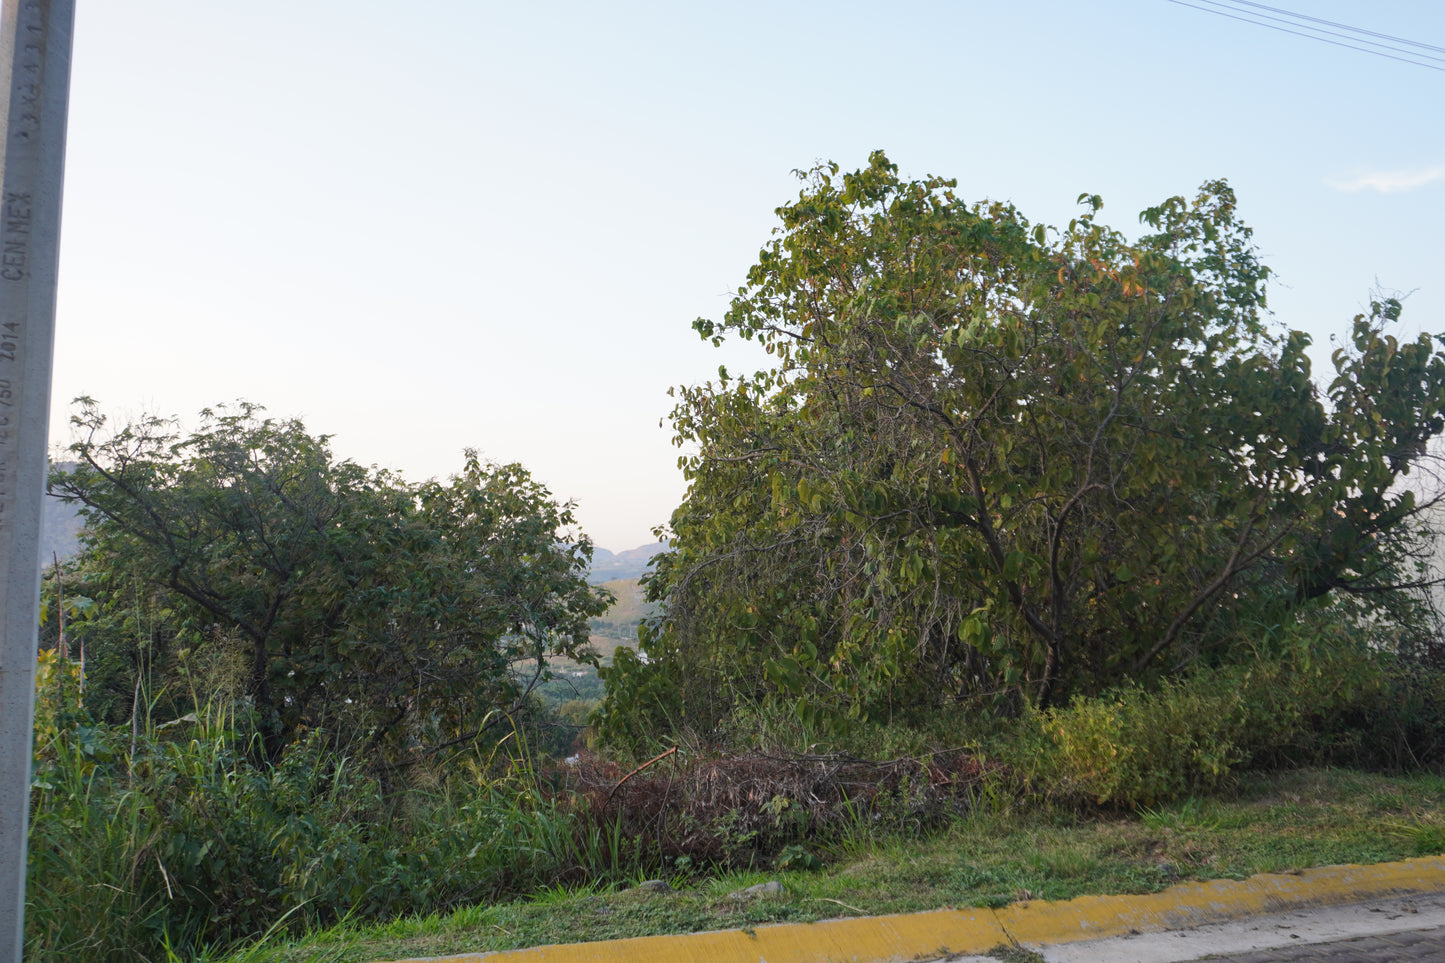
(1416, 946)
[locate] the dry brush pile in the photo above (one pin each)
(746, 808)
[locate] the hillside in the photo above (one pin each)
(607, 566)
(618, 625)
(576, 683)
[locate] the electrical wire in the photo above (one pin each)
(1244, 16)
(1226, 5)
(1342, 26)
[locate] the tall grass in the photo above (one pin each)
(163, 847)
(173, 843)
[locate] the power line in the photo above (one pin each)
(1342, 26)
(1245, 16)
(1226, 5)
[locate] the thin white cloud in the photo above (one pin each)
(1388, 182)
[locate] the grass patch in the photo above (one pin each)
(1265, 823)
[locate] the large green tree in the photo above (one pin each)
(403, 615)
(993, 458)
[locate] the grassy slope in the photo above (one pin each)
(618, 625)
(1269, 823)
(630, 605)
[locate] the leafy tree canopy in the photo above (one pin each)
(995, 459)
(344, 598)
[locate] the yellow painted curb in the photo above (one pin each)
(908, 936)
(924, 936)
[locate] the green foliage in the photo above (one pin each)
(653, 703)
(797, 858)
(996, 463)
(175, 839)
(570, 684)
(1272, 823)
(1397, 725)
(330, 596)
(57, 697)
(1427, 839)
(1114, 748)
(1132, 747)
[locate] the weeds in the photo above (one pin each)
(174, 843)
(177, 847)
(1424, 838)
(1189, 815)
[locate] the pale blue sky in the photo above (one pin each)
(453, 223)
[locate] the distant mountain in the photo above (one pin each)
(607, 566)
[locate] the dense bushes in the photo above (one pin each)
(1397, 724)
(145, 845)
(1328, 689)
(160, 840)
(178, 837)
(1019, 515)
(1131, 746)
(993, 463)
(332, 596)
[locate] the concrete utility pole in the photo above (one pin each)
(35, 43)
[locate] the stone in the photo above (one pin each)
(771, 888)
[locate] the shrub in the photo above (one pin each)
(1398, 724)
(141, 842)
(656, 704)
(1132, 747)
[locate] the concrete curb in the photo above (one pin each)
(924, 936)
